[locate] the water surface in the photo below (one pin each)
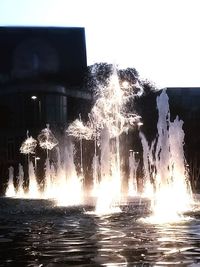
(72, 237)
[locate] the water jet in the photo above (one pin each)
(164, 165)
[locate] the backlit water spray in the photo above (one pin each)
(27, 148)
(107, 121)
(165, 178)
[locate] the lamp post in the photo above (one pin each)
(35, 98)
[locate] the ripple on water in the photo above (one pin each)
(5, 240)
(78, 239)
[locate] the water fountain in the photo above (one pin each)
(166, 179)
(164, 172)
(49, 230)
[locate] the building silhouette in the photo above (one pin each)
(41, 82)
(42, 72)
(184, 102)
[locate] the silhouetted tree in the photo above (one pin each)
(148, 87)
(98, 74)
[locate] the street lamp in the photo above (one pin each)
(34, 98)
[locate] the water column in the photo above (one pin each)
(20, 180)
(73, 194)
(33, 191)
(10, 191)
(148, 166)
(109, 105)
(165, 164)
(108, 119)
(162, 154)
(47, 141)
(105, 155)
(28, 148)
(105, 189)
(95, 168)
(132, 181)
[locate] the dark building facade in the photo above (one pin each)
(41, 82)
(185, 102)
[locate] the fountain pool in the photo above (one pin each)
(116, 222)
(63, 236)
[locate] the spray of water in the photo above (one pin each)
(10, 190)
(46, 139)
(29, 145)
(61, 182)
(69, 183)
(165, 177)
(20, 192)
(165, 167)
(133, 166)
(27, 148)
(108, 119)
(33, 189)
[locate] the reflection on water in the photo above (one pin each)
(62, 237)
